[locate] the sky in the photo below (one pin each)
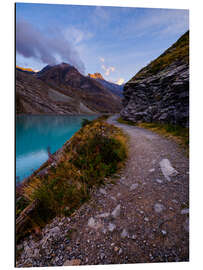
(115, 41)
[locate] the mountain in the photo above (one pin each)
(96, 75)
(113, 87)
(61, 89)
(160, 91)
(27, 70)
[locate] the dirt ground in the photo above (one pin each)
(143, 217)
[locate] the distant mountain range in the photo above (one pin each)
(113, 87)
(62, 89)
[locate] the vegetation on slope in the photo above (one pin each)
(179, 51)
(93, 154)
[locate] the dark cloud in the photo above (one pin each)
(32, 43)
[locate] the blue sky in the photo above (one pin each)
(117, 42)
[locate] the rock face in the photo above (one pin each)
(61, 89)
(96, 75)
(160, 91)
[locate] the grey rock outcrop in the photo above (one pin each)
(161, 94)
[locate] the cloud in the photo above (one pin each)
(108, 70)
(75, 35)
(120, 81)
(157, 22)
(31, 43)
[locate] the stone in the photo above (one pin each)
(102, 191)
(111, 227)
(120, 251)
(116, 249)
(124, 233)
(159, 181)
(167, 169)
(174, 201)
(93, 224)
(186, 225)
(164, 232)
(133, 187)
(116, 212)
(158, 207)
(28, 251)
(185, 211)
(152, 170)
(72, 262)
(54, 231)
(103, 215)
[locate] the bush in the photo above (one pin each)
(99, 157)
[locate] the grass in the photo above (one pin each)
(92, 155)
(122, 121)
(177, 133)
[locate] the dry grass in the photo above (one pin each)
(177, 133)
(93, 154)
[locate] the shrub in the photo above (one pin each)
(99, 157)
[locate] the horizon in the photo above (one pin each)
(114, 41)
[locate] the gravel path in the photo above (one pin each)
(144, 217)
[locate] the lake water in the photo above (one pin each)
(35, 133)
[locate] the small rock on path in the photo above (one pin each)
(145, 223)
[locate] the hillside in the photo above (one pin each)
(160, 91)
(61, 89)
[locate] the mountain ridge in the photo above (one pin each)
(113, 87)
(160, 91)
(62, 89)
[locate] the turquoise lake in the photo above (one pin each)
(34, 134)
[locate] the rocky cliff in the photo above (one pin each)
(61, 89)
(160, 91)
